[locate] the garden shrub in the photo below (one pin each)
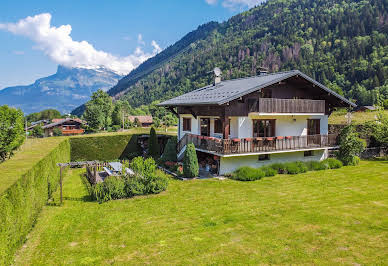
(268, 171)
(21, 203)
(190, 162)
(350, 146)
(134, 187)
(279, 167)
(147, 180)
(156, 183)
(246, 173)
(115, 186)
(317, 165)
(153, 145)
(292, 168)
(333, 163)
(170, 153)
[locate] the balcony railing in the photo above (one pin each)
(273, 105)
(258, 145)
(72, 131)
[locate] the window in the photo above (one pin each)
(264, 157)
(252, 107)
(264, 128)
(186, 124)
(217, 126)
(308, 153)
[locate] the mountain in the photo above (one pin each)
(341, 43)
(65, 90)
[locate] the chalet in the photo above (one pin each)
(366, 108)
(257, 120)
(145, 120)
(68, 126)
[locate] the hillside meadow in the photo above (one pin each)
(328, 217)
(357, 117)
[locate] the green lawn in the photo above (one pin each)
(329, 217)
(357, 117)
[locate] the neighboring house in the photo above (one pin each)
(145, 120)
(68, 126)
(36, 123)
(365, 108)
(257, 120)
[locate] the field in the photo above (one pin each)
(357, 117)
(329, 217)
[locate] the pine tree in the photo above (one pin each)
(190, 162)
(153, 145)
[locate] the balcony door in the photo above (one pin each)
(264, 128)
(205, 126)
(313, 132)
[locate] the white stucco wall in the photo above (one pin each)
(241, 127)
(229, 164)
(194, 125)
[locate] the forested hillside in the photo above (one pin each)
(341, 43)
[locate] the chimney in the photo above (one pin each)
(263, 71)
(217, 73)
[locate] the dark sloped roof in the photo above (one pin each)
(60, 122)
(230, 90)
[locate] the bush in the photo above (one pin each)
(385, 104)
(190, 162)
(115, 187)
(333, 163)
(12, 133)
(268, 171)
(294, 168)
(116, 128)
(170, 153)
(246, 173)
(38, 132)
(280, 168)
(317, 166)
(134, 187)
(156, 183)
(354, 161)
(350, 146)
(57, 132)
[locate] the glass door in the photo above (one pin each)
(205, 126)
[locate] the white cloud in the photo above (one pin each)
(57, 43)
(234, 4)
(211, 2)
(140, 39)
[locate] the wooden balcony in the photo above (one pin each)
(272, 105)
(72, 131)
(258, 145)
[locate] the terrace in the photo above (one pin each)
(258, 145)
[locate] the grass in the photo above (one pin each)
(357, 117)
(135, 130)
(327, 217)
(31, 152)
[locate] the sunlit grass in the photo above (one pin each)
(357, 117)
(326, 217)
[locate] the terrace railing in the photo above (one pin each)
(256, 145)
(273, 105)
(72, 131)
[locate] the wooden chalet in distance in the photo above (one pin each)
(257, 120)
(68, 126)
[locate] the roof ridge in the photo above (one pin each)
(269, 74)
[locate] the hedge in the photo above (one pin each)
(104, 148)
(21, 203)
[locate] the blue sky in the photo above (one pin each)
(113, 31)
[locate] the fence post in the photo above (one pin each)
(60, 183)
